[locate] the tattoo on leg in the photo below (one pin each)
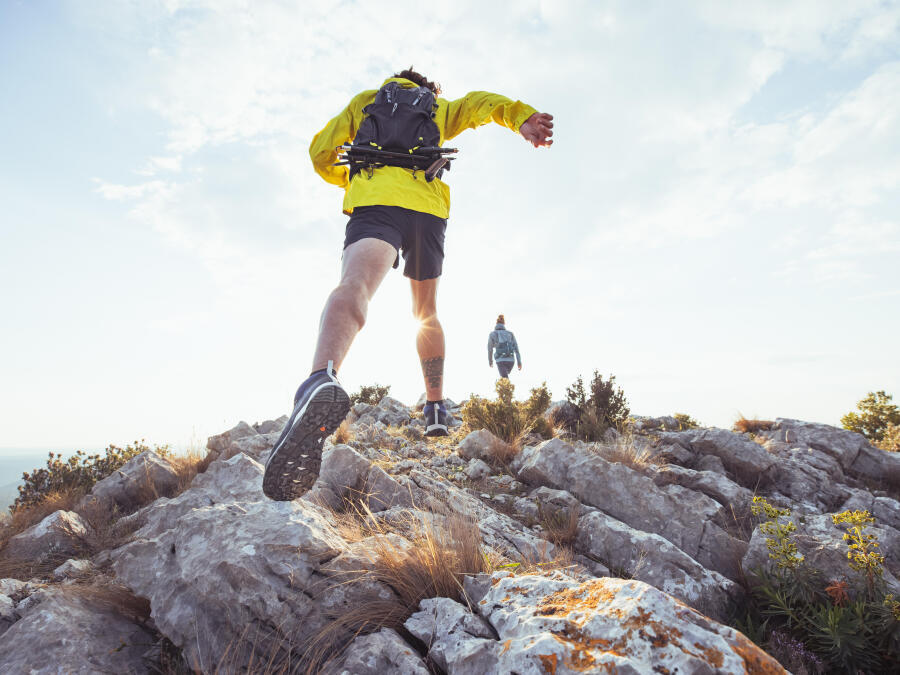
(433, 369)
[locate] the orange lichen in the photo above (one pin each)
(549, 662)
(756, 661)
(506, 646)
(712, 655)
(587, 596)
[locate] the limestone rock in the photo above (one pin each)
(271, 426)
(16, 589)
(554, 624)
(8, 614)
(747, 461)
(478, 444)
(380, 653)
(562, 413)
(498, 531)
(221, 442)
(389, 411)
(346, 474)
(851, 450)
(664, 423)
(222, 575)
(457, 640)
(477, 469)
(236, 480)
(141, 479)
(686, 518)
(68, 634)
(656, 561)
(714, 485)
(59, 534)
(710, 463)
(73, 569)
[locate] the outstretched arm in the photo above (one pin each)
(482, 107)
(491, 349)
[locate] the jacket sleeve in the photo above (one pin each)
(341, 129)
(491, 348)
(480, 107)
(516, 346)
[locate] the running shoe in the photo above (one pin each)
(436, 419)
(320, 405)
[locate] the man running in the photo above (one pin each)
(394, 210)
(503, 348)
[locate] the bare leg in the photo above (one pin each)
(430, 338)
(365, 264)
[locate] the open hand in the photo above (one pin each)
(538, 129)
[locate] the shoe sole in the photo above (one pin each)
(294, 464)
(436, 430)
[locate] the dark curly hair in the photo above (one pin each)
(419, 79)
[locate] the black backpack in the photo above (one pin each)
(399, 120)
(505, 347)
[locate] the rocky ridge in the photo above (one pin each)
(626, 556)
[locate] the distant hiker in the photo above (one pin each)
(398, 205)
(503, 348)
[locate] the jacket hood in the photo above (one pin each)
(500, 326)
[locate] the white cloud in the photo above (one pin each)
(655, 145)
(116, 192)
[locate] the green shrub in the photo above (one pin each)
(76, 474)
(891, 440)
(875, 417)
(371, 394)
(816, 625)
(603, 408)
(685, 421)
(507, 418)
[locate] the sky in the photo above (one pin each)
(717, 223)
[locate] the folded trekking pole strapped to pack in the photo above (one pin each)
(432, 161)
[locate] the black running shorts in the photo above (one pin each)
(418, 236)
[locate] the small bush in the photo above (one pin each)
(602, 408)
(816, 625)
(876, 415)
(371, 394)
(77, 474)
(507, 419)
(686, 422)
(754, 426)
(891, 440)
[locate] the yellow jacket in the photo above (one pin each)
(396, 186)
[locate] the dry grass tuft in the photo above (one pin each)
(501, 453)
(745, 426)
(626, 451)
(106, 594)
(24, 570)
(430, 561)
(187, 467)
(560, 526)
(342, 434)
(563, 559)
